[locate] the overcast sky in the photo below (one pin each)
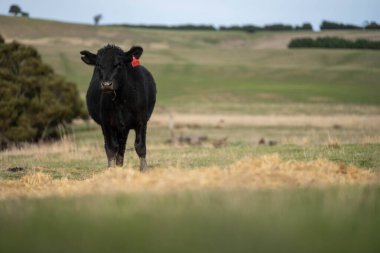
(214, 12)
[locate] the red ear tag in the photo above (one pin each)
(135, 62)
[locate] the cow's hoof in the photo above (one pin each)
(143, 165)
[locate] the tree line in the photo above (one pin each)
(333, 42)
(250, 28)
(328, 25)
(272, 28)
(246, 28)
(169, 27)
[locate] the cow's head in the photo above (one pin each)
(111, 64)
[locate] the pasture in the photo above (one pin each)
(252, 147)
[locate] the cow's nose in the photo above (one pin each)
(107, 85)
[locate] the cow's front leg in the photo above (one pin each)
(140, 145)
(111, 145)
(111, 151)
(122, 140)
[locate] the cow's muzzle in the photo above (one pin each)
(106, 86)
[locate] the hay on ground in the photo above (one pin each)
(266, 172)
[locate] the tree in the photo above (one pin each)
(97, 18)
(34, 100)
(15, 9)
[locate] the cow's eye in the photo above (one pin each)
(117, 65)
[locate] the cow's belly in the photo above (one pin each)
(118, 120)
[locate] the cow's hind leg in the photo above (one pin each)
(140, 145)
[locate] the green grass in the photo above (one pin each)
(183, 78)
(66, 159)
(196, 83)
(365, 156)
(344, 219)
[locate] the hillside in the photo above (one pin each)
(202, 66)
(43, 31)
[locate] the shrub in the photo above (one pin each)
(34, 100)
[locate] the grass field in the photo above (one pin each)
(312, 185)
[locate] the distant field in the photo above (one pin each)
(291, 160)
(198, 66)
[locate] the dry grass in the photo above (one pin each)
(266, 172)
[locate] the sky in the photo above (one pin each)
(212, 12)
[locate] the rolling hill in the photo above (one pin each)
(206, 67)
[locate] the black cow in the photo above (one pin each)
(121, 96)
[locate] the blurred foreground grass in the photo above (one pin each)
(337, 219)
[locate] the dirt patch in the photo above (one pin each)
(354, 121)
(158, 46)
(266, 172)
(269, 96)
(63, 40)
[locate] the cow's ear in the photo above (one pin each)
(88, 57)
(135, 51)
